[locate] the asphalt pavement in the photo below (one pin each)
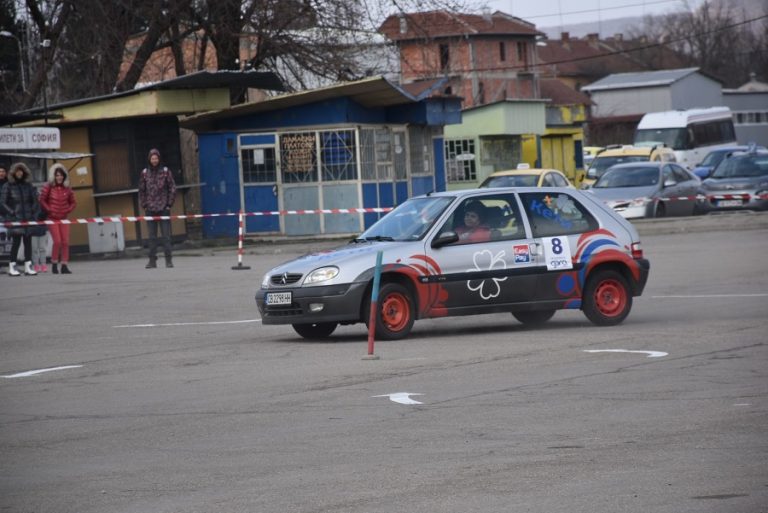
(132, 390)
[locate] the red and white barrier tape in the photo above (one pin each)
(135, 219)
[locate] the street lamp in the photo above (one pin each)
(5, 33)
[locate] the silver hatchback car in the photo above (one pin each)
(528, 251)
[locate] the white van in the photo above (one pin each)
(690, 133)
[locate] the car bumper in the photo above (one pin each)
(741, 200)
(331, 303)
(644, 267)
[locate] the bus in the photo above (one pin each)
(690, 133)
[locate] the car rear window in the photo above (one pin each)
(511, 181)
(557, 214)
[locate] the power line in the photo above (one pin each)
(601, 9)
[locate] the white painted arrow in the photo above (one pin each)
(40, 371)
(651, 354)
(401, 397)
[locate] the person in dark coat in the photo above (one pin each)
(18, 202)
(3, 181)
(157, 192)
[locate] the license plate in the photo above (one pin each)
(729, 203)
(279, 298)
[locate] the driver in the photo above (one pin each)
(474, 228)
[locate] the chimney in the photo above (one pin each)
(565, 37)
(593, 39)
(487, 14)
(403, 24)
(619, 37)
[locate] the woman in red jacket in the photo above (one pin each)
(58, 201)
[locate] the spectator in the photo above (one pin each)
(3, 181)
(39, 235)
(474, 228)
(18, 202)
(58, 201)
(157, 192)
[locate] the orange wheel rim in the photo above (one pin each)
(395, 312)
(610, 298)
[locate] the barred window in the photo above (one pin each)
(460, 160)
(337, 155)
(258, 165)
(298, 157)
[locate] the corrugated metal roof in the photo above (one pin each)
(369, 92)
(201, 80)
(640, 79)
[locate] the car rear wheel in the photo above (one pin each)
(534, 318)
(316, 330)
(395, 312)
(607, 298)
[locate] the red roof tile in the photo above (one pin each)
(432, 24)
(561, 94)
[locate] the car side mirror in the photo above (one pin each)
(669, 183)
(444, 239)
(702, 172)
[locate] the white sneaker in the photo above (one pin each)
(28, 269)
(12, 269)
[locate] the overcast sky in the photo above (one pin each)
(553, 13)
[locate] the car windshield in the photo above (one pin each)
(713, 158)
(511, 181)
(742, 166)
(601, 164)
(628, 177)
(675, 138)
(409, 221)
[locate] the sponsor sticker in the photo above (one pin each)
(522, 254)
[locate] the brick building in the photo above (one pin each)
(487, 58)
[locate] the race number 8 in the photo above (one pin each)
(557, 246)
(557, 253)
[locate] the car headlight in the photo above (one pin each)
(321, 274)
(639, 202)
(265, 281)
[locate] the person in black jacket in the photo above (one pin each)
(18, 202)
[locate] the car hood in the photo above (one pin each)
(624, 193)
(735, 184)
(352, 259)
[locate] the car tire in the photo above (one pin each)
(607, 298)
(534, 317)
(660, 210)
(315, 331)
(396, 312)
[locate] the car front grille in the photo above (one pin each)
(285, 278)
(283, 310)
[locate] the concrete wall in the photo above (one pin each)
(694, 91)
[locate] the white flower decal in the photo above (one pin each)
(486, 261)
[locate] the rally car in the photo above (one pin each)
(531, 252)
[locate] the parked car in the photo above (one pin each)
(714, 157)
(623, 154)
(739, 182)
(650, 189)
(541, 250)
(589, 154)
(525, 176)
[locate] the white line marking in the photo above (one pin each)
(401, 397)
(651, 354)
(743, 404)
(705, 296)
(185, 324)
(39, 371)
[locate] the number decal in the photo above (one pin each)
(557, 246)
(557, 253)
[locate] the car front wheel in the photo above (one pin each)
(607, 298)
(395, 312)
(316, 330)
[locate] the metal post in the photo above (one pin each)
(374, 307)
(240, 266)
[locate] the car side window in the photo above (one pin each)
(559, 180)
(549, 180)
(556, 214)
(681, 175)
(487, 218)
(668, 175)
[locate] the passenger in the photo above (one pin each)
(58, 201)
(18, 202)
(474, 228)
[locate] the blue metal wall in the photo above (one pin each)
(219, 171)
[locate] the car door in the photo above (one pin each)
(558, 222)
(688, 188)
(483, 275)
(673, 189)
